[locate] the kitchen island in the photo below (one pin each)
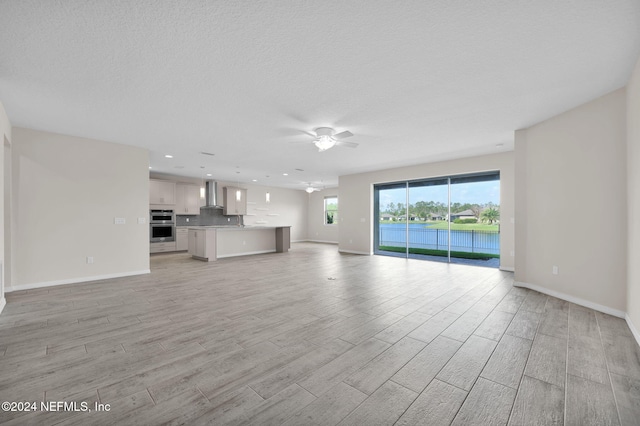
(210, 243)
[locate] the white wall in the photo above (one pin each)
(571, 208)
(66, 193)
(318, 231)
(5, 138)
(287, 206)
(633, 194)
(356, 199)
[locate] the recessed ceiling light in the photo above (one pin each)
(285, 174)
(149, 167)
(254, 180)
(168, 156)
(209, 174)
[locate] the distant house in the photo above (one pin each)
(465, 214)
(387, 217)
(436, 216)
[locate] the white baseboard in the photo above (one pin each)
(355, 252)
(572, 299)
(75, 280)
(633, 329)
(507, 268)
(3, 303)
(248, 253)
(323, 241)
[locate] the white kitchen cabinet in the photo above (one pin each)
(202, 244)
(182, 239)
(162, 247)
(235, 200)
(162, 192)
(188, 199)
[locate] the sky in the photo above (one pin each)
(472, 193)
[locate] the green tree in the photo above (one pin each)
(490, 215)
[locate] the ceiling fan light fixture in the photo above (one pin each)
(309, 190)
(324, 142)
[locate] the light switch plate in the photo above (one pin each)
(119, 221)
(142, 220)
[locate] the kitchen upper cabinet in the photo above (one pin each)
(188, 199)
(235, 200)
(162, 192)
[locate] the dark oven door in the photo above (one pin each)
(162, 232)
(161, 216)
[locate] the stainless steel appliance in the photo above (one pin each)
(162, 226)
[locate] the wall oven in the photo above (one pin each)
(162, 226)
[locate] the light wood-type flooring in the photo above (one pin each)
(315, 337)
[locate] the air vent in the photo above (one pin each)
(207, 153)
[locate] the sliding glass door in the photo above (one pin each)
(390, 210)
(449, 219)
(475, 229)
(428, 229)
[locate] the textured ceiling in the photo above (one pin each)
(415, 81)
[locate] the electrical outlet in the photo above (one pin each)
(119, 221)
(554, 270)
(142, 220)
(89, 259)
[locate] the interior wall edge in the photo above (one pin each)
(569, 298)
(633, 328)
(355, 252)
(3, 303)
(507, 268)
(323, 241)
(88, 279)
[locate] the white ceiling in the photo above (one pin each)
(415, 81)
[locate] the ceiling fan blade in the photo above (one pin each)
(342, 135)
(347, 144)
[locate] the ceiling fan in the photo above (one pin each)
(311, 189)
(326, 138)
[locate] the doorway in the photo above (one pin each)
(447, 219)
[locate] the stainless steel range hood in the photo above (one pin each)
(211, 195)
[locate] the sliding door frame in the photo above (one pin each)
(491, 175)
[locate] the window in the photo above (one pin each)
(450, 218)
(330, 210)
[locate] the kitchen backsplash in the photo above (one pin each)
(187, 220)
(208, 217)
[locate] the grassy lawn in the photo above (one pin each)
(442, 224)
(443, 253)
